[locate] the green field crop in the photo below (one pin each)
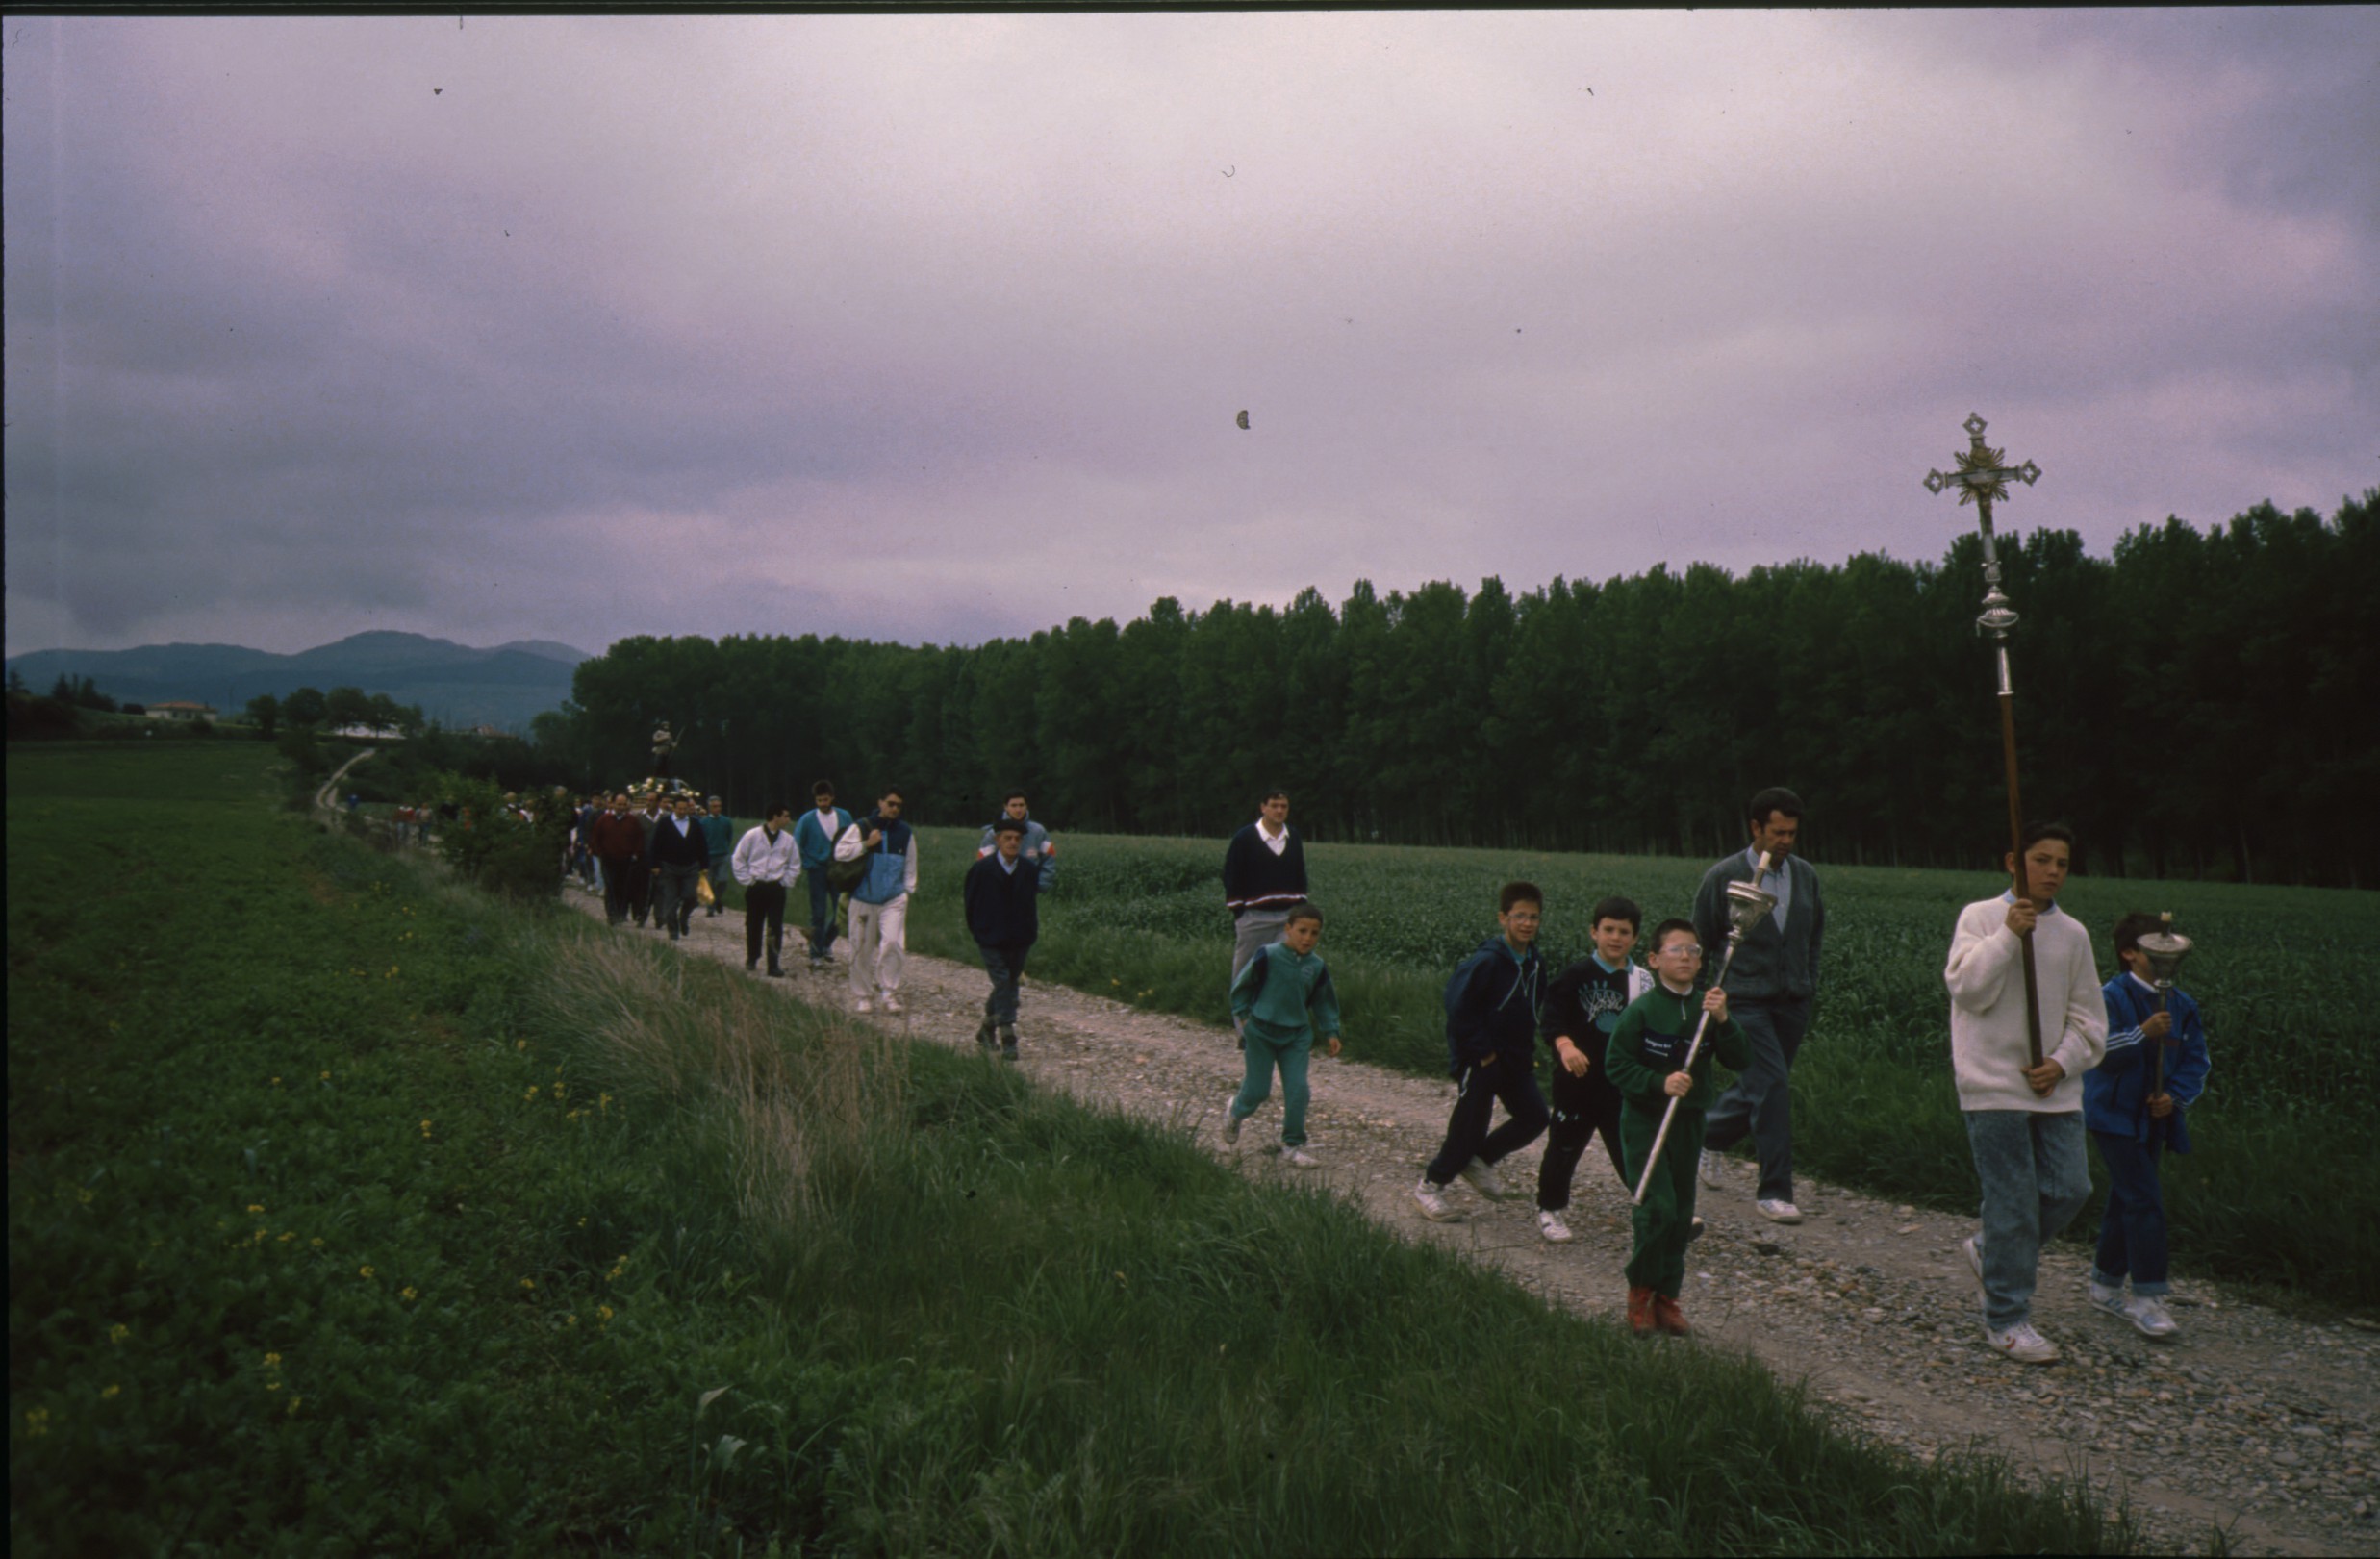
(2284, 1186)
(350, 1211)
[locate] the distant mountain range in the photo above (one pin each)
(505, 687)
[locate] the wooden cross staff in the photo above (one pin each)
(1979, 479)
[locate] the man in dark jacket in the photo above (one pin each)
(1004, 914)
(1769, 989)
(682, 854)
(620, 850)
(1492, 1007)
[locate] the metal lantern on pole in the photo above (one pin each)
(1981, 478)
(2164, 949)
(1747, 903)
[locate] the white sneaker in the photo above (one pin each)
(1484, 1179)
(1973, 1245)
(1298, 1158)
(1433, 1200)
(2148, 1316)
(891, 1003)
(863, 1005)
(2109, 1300)
(1713, 1174)
(1777, 1210)
(2022, 1344)
(1230, 1122)
(1551, 1226)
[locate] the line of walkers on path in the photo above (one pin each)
(1618, 1035)
(649, 848)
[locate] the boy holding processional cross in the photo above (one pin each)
(2024, 1120)
(1647, 1060)
(1582, 1006)
(1282, 1002)
(2135, 1110)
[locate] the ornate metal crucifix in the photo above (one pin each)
(1981, 478)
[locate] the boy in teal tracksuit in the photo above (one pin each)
(1646, 1062)
(1282, 1002)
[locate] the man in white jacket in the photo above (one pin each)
(767, 863)
(2024, 1122)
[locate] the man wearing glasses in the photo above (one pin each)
(880, 903)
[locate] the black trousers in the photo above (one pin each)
(764, 906)
(1511, 1079)
(618, 889)
(1583, 1109)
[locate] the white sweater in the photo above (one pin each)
(1989, 1052)
(759, 860)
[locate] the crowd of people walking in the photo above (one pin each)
(1632, 1049)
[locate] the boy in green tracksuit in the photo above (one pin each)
(1283, 1001)
(1646, 1062)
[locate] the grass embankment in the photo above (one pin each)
(2283, 1187)
(350, 1211)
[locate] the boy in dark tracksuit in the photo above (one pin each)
(1491, 1026)
(1582, 1006)
(2132, 1123)
(1647, 1063)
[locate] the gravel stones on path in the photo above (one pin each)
(2251, 1421)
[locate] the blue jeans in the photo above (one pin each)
(1759, 1104)
(2035, 1177)
(1511, 1079)
(821, 911)
(1291, 1056)
(1004, 962)
(2132, 1233)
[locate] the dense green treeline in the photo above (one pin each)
(2198, 704)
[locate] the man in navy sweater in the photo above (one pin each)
(1003, 915)
(1263, 878)
(680, 854)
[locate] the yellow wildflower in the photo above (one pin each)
(296, 1402)
(528, 1282)
(37, 1421)
(531, 1092)
(256, 1207)
(110, 1393)
(365, 1270)
(604, 1312)
(276, 1082)
(272, 1360)
(521, 1044)
(316, 1243)
(287, 1235)
(569, 1320)
(409, 1293)
(118, 1332)
(325, 1076)
(425, 1127)
(84, 1195)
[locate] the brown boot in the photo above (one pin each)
(1640, 1317)
(1669, 1317)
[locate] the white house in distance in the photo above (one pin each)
(370, 732)
(181, 708)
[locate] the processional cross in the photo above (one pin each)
(1981, 478)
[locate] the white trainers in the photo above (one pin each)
(1550, 1226)
(1433, 1200)
(1482, 1178)
(1973, 1245)
(1778, 1211)
(1298, 1158)
(1713, 1174)
(891, 1003)
(2109, 1300)
(2022, 1344)
(2148, 1316)
(1230, 1122)
(863, 1005)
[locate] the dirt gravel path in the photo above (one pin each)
(2251, 1421)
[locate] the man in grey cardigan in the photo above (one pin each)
(1769, 991)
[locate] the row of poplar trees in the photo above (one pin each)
(2200, 703)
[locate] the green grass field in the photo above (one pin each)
(2284, 1186)
(350, 1211)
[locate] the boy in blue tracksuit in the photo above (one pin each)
(1492, 1006)
(1282, 1002)
(2133, 1121)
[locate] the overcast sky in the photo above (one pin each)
(936, 328)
